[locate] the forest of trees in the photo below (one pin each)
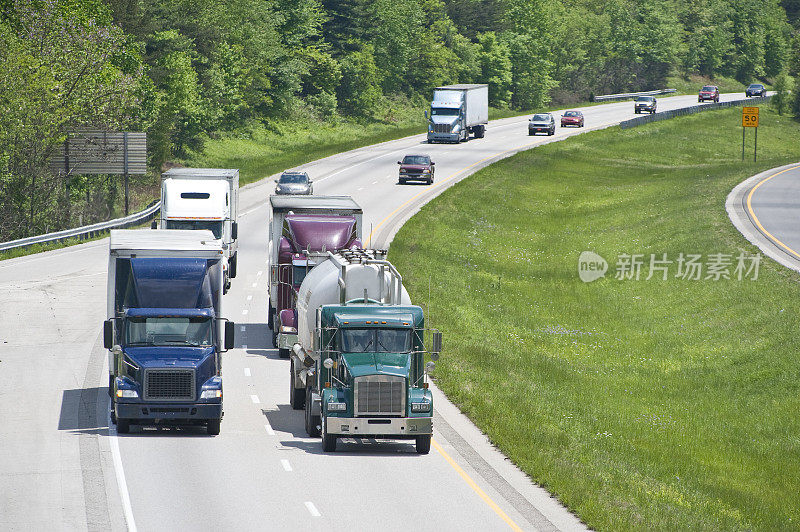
(182, 69)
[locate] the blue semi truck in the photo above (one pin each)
(165, 331)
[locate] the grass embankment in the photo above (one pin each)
(666, 405)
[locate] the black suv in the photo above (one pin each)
(755, 89)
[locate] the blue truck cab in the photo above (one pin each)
(164, 329)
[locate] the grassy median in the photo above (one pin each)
(642, 404)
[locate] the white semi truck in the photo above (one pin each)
(358, 366)
(458, 111)
(204, 198)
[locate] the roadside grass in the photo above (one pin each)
(642, 405)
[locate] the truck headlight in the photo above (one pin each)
(421, 407)
(128, 394)
(285, 329)
(337, 407)
(212, 389)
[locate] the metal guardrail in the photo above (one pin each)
(88, 231)
(665, 115)
(625, 95)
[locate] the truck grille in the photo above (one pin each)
(441, 128)
(169, 385)
(380, 395)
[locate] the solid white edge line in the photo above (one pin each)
(122, 485)
(255, 399)
(312, 509)
(246, 372)
(286, 465)
(269, 430)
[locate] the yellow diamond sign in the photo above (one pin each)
(749, 116)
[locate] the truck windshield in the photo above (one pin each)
(196, 332)
(375, 340)
(444, 111)
(214, 226)
(293, 178)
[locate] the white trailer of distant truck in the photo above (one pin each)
(204, 198)
(458, 111)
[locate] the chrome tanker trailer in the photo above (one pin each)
(358, 368)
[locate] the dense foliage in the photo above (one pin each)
(185, 69)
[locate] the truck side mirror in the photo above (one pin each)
(108, 334)
(436, 344)
(235, 230)
(153, 225)
(230, 327)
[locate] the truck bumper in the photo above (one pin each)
(286, 341)
(167, 413)
(380, 427)
(443, 137)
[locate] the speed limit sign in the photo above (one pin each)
(749, 116)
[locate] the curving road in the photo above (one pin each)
(766, 210)
(64, 467)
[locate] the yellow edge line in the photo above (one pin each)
(475, 487)
(438, 183)
(755, 218)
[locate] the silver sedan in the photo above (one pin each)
(294, 183)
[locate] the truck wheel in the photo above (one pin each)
(123, 426)
(424, 444)
(297, 396)
(328, 440)
(213, 426)
(283, 353)
(232, 265)
(312, 422)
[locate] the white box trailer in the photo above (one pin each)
(458, 111)
(204, 198)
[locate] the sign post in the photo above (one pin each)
(750, 119)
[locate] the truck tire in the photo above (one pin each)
(297, 396)
(423, 444)
(312, 422)
(213, 427)
(480, 132)
(123, 426)
(232, 265)
(328, 440)
(271, 318)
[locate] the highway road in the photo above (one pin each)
(64, 467)
(766, 209)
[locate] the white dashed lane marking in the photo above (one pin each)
(249, 298)
(286, 465)
(246, 372)
(312, 509)
(269, 430)
(244, 312)
(255, 399)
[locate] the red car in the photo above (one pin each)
(572, 118)
(709, 92)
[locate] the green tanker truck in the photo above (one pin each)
(358, 369)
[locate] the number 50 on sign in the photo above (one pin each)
(749, 116)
